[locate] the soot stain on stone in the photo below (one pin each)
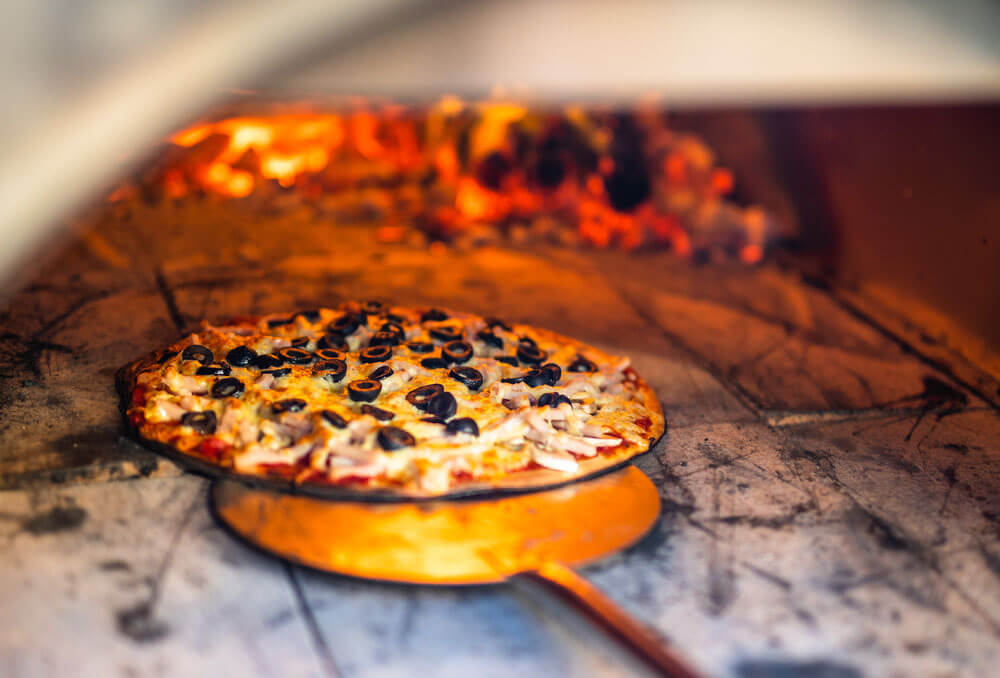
(89, 444)
(56, 519)
(137, 623)
(769, 668)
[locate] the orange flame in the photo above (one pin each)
(456, 166)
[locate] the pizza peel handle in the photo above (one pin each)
(531, 540)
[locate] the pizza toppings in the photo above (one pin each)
(230, 387)
(316, 391)
(240, 356)
(377, 412)
(420, 396)
(330, 370)
(296, 356)
(443, 405)
(289, 405)
(393, 438)
(213, 370)
(463, 425)
(268, 360)
(469, 376)
(333, 340)
(330, 354)
(198, 352)
(364, 390)
(529, 353)
(433, 315)
(581, 364)
(200, 422)
(456, 351)
(381, 372)
(376, 354)
(334, 419)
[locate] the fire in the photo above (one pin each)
(280, 147)
(608, 179)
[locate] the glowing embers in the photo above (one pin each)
(478, 173)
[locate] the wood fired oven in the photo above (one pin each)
(810, 288)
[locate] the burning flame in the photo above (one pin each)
(488, 163)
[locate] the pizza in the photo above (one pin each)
(389, 400)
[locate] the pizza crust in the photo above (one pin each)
(151, 374)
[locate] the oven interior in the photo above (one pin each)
(811, 290)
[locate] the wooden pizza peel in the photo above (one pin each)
(530, 540)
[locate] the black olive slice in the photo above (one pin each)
(434, 363)
(552, 372)
(240, 356)
(463, 425)
(300, 342)
(331, 370)
(532, 355)
(201, 422)
(420, 346)
(445, 334)
(364, 390)
(230, 387)
(396, 328)
(372, 307)
(198, 352)
(394, 318)
(536, 377)
(266, 360)
(381, 372)
(333, 419)
(581, 364)
(433, 315)
(525, 339)
(296, 356)
(289, 405)
(551, 399)
(392, 438)
(276, 322)
(513, 380)
(442, 405)
(420, 396)
(456, 351)
(334, 340)
(347, 324)
(330, 354)
(490, 339)
(312, 315)
(214, 369)
(375, 354)
(377, 412)
(469, 376)
(384, 339)
(507, 360)
(278, 373)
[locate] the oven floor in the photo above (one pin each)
(831, 489)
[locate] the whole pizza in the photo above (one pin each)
(388, 400)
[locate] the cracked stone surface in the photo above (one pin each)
(831, 500)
